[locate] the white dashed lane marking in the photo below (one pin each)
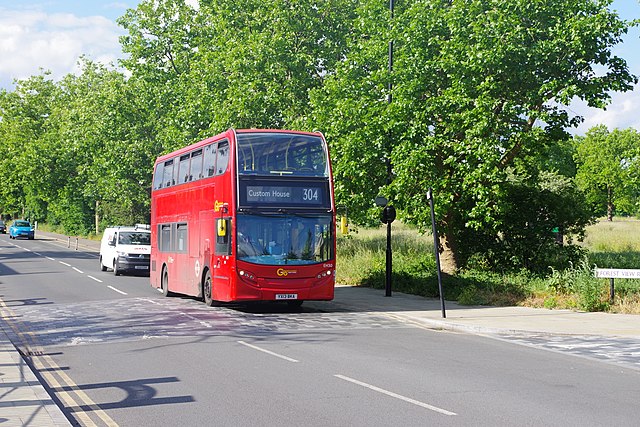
(74, 268)
(395, 395)
(117, 290)
(255, 347)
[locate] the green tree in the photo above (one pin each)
(225, 64)
(478, 93)
(24, 123)
(607, 169)
(79, 153)
(102, 130)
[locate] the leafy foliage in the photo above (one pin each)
(478, 89)
(608, 170)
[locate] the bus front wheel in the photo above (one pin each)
(207, 289)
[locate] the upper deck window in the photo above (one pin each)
(168, 173)
(281, 154)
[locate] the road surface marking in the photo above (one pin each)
(64, 263)
(79, 271)
(267, 351)
(49, 366)
(202, 322)
(397, 396)
(117, 290)
(52, 259)
(94, 278)
(28, 250)
(80, 405)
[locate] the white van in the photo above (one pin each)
(126, 249)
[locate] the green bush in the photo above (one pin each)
(470, 296)
(565, 284)
(581, 282)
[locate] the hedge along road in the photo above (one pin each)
(141, 358)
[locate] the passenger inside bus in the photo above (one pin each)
(247, 245)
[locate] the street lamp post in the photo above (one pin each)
(435, 249)
(390, 85)
(387, 216)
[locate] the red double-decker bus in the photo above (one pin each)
(247, 215)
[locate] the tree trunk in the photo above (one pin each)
(610, 206)
(97, 217)
(449, 255)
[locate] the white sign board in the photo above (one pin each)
(618, 273)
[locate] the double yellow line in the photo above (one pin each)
(76, 401)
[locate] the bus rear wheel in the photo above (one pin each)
(165, 283)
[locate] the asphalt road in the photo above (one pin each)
(113, 351)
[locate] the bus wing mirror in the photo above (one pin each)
(222, 228)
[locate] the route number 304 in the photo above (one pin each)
(310, 194)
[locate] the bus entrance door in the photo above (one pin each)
(221, 262)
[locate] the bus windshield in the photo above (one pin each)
(284, 239)
(281, 154)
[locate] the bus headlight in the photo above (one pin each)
(325, 274)
(247, 275)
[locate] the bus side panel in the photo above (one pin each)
(195, 254)
(221, 279)
(206, 239)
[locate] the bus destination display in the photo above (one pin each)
(307, 195)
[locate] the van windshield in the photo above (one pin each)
(134, 238)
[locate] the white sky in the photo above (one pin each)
(53, 34)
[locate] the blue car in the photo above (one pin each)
(21, 228)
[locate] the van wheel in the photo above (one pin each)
(102, 267)
(165, 283)
(115, 267)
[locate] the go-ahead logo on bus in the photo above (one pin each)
(217, 205)
(282, 272)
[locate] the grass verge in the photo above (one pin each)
(361, 261)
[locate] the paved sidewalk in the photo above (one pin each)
(485, 319)
(24, 402)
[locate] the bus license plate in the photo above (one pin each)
(286, 296)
